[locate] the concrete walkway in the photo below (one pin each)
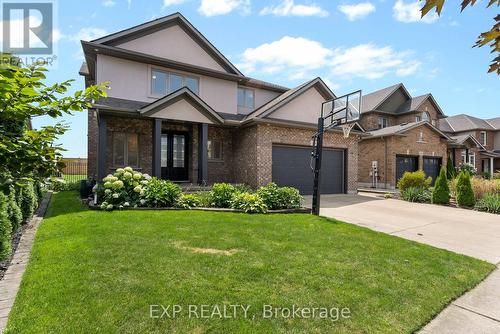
(10, 283)
(468, 232)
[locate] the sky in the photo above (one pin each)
(350, 44)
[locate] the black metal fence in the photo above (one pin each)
(75, 170)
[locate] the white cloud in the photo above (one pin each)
(297, 54)
(222, 7)
(368, 61)
(167, 3)
(108, 3)
(409, 69)
(357, 11)
(410, 12)
(333, 86)
(289, 8)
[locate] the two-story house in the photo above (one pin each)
(178, 109)
(485, 155)
(403, 136)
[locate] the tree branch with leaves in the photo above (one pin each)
(491, 37)
(27, 153)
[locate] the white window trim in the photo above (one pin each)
(384, 120)
(168, 71)
(473, 160)
(484, 143)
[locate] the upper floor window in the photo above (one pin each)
(163, 83)
(383, 122)
(425, 116)
(246, 98)
(482, 137)
(125, 149)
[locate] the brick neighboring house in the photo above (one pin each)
(483, 150)
(403, 136)
(178, 109)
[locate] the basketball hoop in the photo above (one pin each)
(346, 129)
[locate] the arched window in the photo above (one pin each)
(425, 116)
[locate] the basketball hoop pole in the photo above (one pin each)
(318, 153)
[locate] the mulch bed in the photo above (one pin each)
(15, 242)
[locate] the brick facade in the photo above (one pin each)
(384, 151)
(92, 142)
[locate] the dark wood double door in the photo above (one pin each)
(174, 156)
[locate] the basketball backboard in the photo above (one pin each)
(342, 110)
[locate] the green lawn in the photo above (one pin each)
(99, 272)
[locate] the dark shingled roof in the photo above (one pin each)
(494, 122)
(401, 128)
(463, 122)
(412, 104)
(373, 99)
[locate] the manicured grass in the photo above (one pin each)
(98, 272)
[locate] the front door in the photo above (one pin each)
(174, 156)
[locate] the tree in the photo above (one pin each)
(441, 191)
(450, 169)
(465, 195)
(492, 36)
(25, 153)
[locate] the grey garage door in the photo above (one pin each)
(431, 167)
(405, 163)
(291, 167)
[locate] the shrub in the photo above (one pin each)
(58, 184)
(39, 191)
(249, 203)
(277, 198)
(243, 188)
(441, 191)
(489, 203)
(467, 168)
(465, 195)
(28, 201)
(14, 211)
(5, 229)
(123, 189)
(481, 186)
(414, 180)
(416, 194)
(450, 169)
(222, 194)
(204, 198)
(388, 195)
(160, 193)
(188, 201)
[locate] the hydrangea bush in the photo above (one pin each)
(123, 189)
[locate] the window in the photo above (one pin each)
(472, 159)
(425, 116)
(463, 156)
(214, 149)
(245, 98)
(163, 83)
(482, 137)
(383, 122)
(125, 149)
(421, 137)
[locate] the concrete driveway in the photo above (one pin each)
(468, 232)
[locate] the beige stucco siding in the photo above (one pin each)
(182, 111)
(173, 43)
(262, 96)
(131, 81)
(304, 108)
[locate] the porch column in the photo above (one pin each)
(202, 153)
(157, 147)
(102, 148)
(492, 168)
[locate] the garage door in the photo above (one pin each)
(405, 163)
(291, 167)
(431, 167)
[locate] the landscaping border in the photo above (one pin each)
(9, 284)
(298, 210)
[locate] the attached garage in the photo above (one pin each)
(405, 163)
(432, 165)
(291, 166)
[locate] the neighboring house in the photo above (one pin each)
(179, 109)
(484, 153)
(403, 136)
